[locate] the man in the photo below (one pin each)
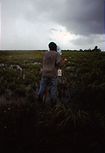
(51, 63)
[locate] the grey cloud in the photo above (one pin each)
(83, 16)
(84, 42)
(80, 17)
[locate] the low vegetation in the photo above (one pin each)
(76, 123)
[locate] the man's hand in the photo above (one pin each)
(64, 61)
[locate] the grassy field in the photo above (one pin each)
(76, 123)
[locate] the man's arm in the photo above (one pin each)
(58, 60)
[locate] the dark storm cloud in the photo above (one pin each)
(80, 17)
(21, 19)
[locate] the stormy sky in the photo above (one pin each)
(32, 24)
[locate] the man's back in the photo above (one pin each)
(50, 63)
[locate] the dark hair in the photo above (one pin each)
(52, 46)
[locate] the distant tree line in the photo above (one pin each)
(96, 49)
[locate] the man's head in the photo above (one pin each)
(52, 46)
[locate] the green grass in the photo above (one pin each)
(75, 125)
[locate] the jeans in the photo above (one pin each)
(52, 83)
